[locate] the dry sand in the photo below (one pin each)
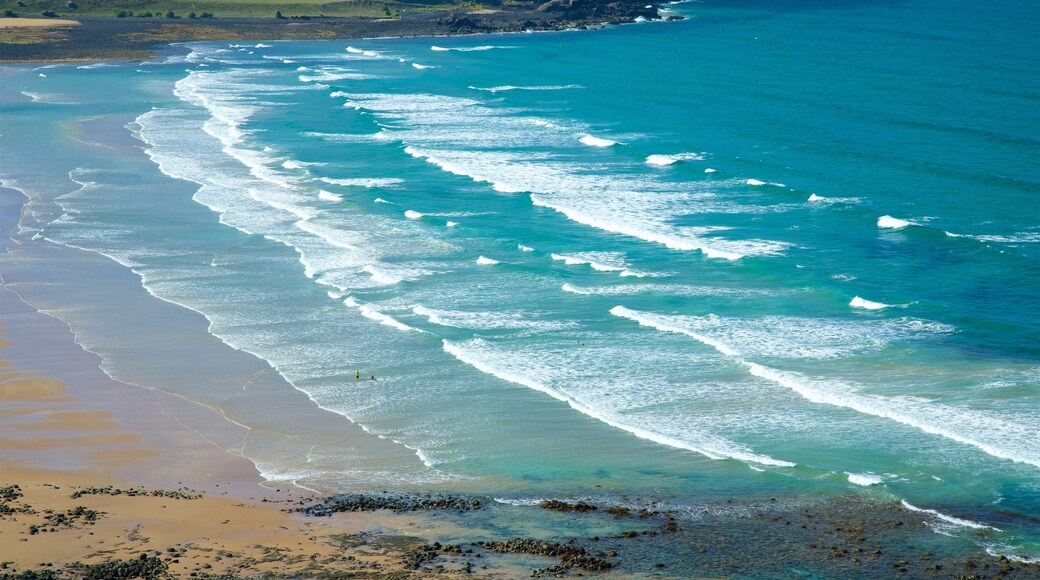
(44, 526)
(35, 23)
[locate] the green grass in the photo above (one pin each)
(228, 8)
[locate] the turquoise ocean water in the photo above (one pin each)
(776, 249)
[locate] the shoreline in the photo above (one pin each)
(95, 38)
(136, 496)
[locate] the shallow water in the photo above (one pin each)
(768, 250)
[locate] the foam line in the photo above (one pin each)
(436, 48)
(371, 313)
(889, 222)
(712, 447)
(666, 160)
(593, 141)
(858, 302)
(505, 88)
(948, 518)
(993, 435)
(668, 240)
(759, 183)
(864, 479)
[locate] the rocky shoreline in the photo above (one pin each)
(845, 537)
(109, 38)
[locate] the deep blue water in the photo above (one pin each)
(778, 248)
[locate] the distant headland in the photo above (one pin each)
(57, 30)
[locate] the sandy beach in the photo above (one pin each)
(71, 473)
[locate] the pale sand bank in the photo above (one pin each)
(35, 23)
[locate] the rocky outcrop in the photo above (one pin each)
(355, 502)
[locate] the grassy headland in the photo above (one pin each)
(131, 29)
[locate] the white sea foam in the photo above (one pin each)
(599, 261)
(368, 53)
(329, 196)
(295, 164)
(49, 98)
(593, 141)
(469, 48)
(489, 320)
(335, 74)
(864, 479)
(412, 214)
(887, 221)
(383, 182)
(371, 313)
(483, 356)
(519, 502)
(422, 66)
(665, 160)
(813, 198)
(947, 518)
(995, 434)
(1002, 550)
(381, 276)
(524, 248)
(342, 137)
(759, 182)
(466, 137)
(482, 261)
(381, 200)
(451, 224)
(506, 88)
(858, 302)
(710, 170)
(714, 248)
(1018, 238)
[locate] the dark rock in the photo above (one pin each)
(562, 506)
(570, 556)
(399, 502)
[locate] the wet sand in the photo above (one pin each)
(70, 493)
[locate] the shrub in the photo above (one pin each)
(192, 15)
(170, 14)
(10, 14)
(206, 15)
(48, 13)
